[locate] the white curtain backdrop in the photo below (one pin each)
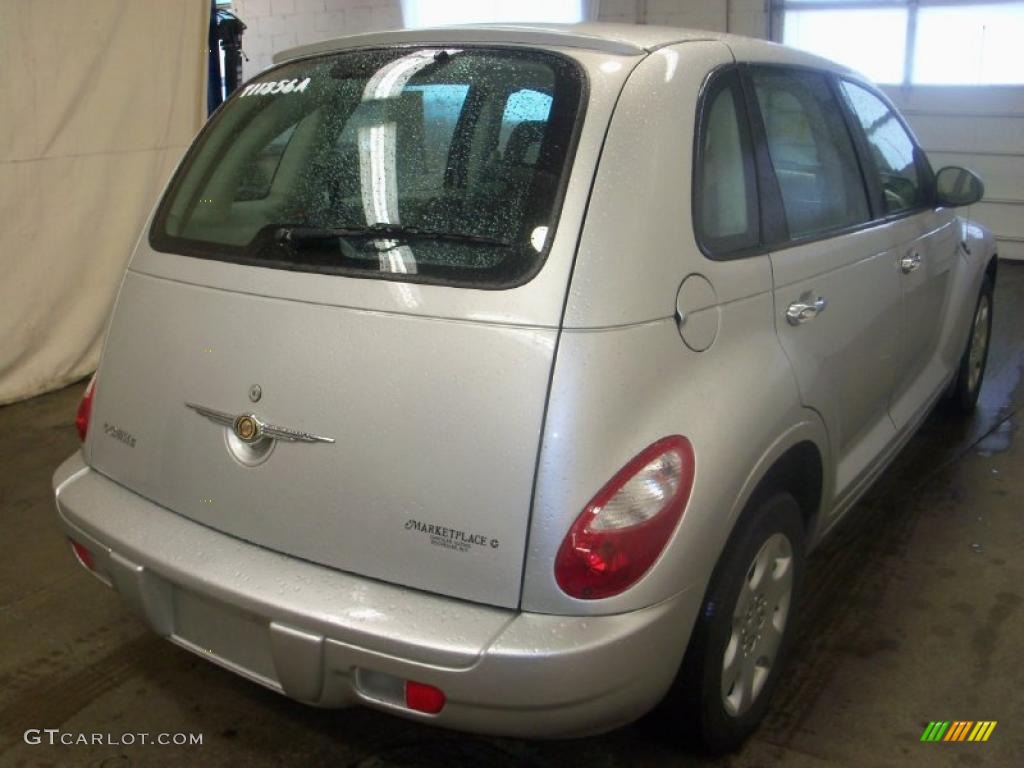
(98, 100)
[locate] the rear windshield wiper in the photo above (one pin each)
(299, 235)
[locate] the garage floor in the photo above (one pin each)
(914, 614)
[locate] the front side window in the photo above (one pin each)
(811, 151)
(429, 165)
(892, 150)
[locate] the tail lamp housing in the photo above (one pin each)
(625, 527)
(85, 409)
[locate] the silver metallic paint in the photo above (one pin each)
(303, 629)
(533, 662)
(361, 377)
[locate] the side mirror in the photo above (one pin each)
(957, 186)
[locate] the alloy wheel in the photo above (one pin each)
(979, 344)
(758, 624)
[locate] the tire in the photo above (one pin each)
(716, 704)
(963, 397)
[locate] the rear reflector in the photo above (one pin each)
(423, 698)
(83, 555)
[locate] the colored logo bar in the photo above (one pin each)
(958, 730)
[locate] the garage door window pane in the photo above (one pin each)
(811, 151)
(870, 41)
(892, 150)
(977, 45)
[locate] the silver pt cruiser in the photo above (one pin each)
(502, 378)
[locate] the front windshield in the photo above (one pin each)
(435, 164)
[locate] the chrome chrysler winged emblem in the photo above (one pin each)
(250, 429)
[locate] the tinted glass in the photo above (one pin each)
(811, 151)
(725, 194)
(259, 170)
(437, 165)
(892, 150)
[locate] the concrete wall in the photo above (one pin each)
(274, 25)
(278, 24)
(743, 17)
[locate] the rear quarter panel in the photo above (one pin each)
(623, 376)
(615, 392)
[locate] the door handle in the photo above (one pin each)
(800, 312)
(910, 262)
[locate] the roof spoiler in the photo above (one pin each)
(506, 34)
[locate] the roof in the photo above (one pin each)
(622, 39)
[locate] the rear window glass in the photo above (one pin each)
(438, 165)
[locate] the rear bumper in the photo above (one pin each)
(332, 639)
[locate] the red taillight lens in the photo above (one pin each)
(423, 698)
(626, 525)
(85, 410)
(84, 555)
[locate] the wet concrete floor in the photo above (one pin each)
(913, 613)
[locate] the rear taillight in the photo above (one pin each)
(627, 524)
(85, 409)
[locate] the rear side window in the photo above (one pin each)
(412, 164)
(892, 150)
(526, 113)
(811, 151)
(258, 172)
(441, 106)
(725, 192)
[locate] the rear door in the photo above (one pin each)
(837, 298)
(434, 428)
(926, 244)
(338, 342)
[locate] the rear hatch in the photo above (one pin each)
(336, 343)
